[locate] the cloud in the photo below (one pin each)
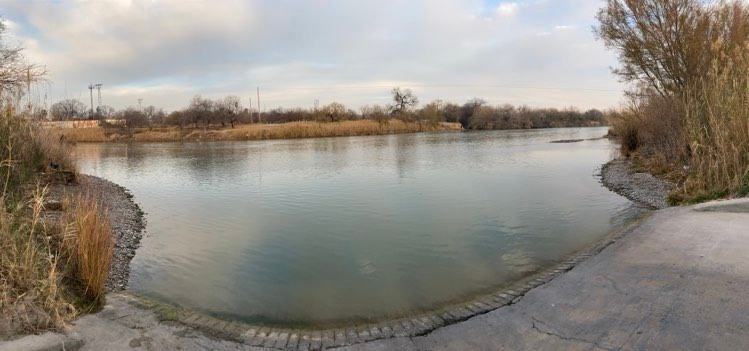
(334, 50)
(507, 9)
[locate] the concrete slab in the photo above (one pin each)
(43, 342)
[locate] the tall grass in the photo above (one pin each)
(289, 130)
(717, 120)
(90, 246)
(49, 266)
(25, 151)
(79, 134)
(293, 130)
(31, 272)
(699, 139)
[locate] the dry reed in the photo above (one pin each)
(79, 134)
(717, 117)
(290, 130)
(31, 296)
(46, 263)
(90, 246)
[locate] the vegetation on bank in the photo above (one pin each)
(290, 130)
(401, 116)
(53, 255)
(688, 113)
(224, 119)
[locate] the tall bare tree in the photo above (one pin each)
(68, 109)
(669, 44)
(16, 73)
(404, 101)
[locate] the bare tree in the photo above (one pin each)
(228, 109)
(669, 44)
(68, 109)
(334, 111)
(404, 101)
(201, 110)
(433, 112)
(365, 110)
(15, 72)
(105, 111)
(133, 117)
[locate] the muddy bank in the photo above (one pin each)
(127, 219)
(619, 176)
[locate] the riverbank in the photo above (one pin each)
(124, 230)
(619, 176)
(127, 221)
(290, 130)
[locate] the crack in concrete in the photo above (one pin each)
(567, 338)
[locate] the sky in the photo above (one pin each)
(540, 53)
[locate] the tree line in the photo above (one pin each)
(474, 114)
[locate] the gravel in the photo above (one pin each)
(127, 219)
(619, 176)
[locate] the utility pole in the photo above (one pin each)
(259, 116)
(91, 90)
(98, 89)
(251, 110)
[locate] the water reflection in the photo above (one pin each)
(343, 229)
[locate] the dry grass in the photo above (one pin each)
(48, 265)
(652, 134)
(88, 241)
(169, 135)
(31, 271)
(79, 134)
(291, 130)
(701, 139)
(295, 130)
(717, 117)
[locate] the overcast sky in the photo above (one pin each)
(533, 52)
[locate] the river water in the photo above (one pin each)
(340, 230)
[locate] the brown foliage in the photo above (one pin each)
(695, 56)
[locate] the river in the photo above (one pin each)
(352, 229)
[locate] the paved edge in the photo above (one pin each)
(410, 326)
(45, 342)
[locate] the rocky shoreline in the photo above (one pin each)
(619, 176)
(127, 220)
